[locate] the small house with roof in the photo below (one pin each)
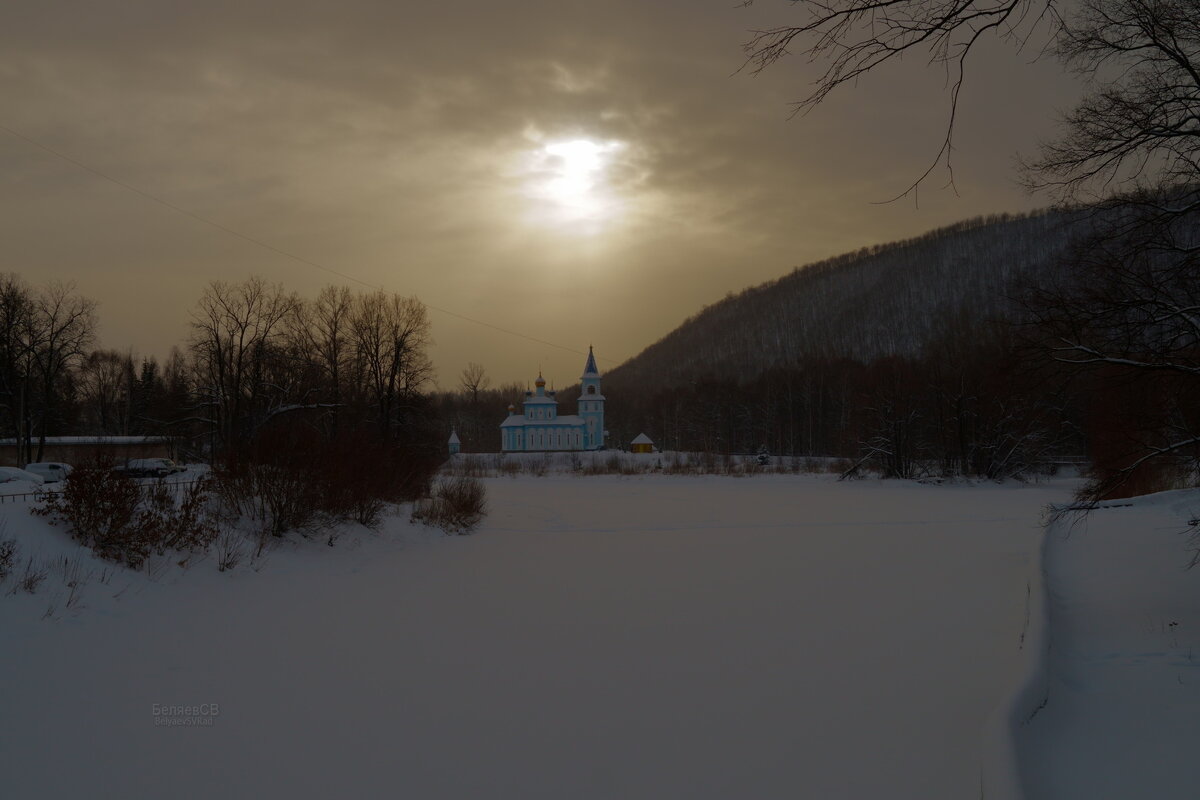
(540, 428)
(642, 444)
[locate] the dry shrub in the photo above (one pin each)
(100, 508)
(277, 497)
(296, 479)
(229, 551)
(472, 465)
(457, 505)
(838, 466)
(679, 464)
(538, 467)
(365, 474)
(179, 515)
(74, 576)
(31, 578)
(125, 521)
(8, 557)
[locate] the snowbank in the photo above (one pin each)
(1121, 690)
(1002, 777)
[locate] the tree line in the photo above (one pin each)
(259, 359)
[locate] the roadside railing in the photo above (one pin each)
(16, 497)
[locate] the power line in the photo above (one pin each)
(272, 248)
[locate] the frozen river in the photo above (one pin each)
(602, 637)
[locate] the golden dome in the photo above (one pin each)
(540, 382)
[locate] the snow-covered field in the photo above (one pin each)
(703, 637)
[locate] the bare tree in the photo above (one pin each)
(1136, 125)
(62, 329)
(16, 358)
(1128, 312)
(391, 340)
(235, 330)
(107, 383)
(321, 332)
(854, 37)
(472, 381)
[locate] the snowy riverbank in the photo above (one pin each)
(1122, 684)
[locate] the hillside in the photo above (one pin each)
(890, 300)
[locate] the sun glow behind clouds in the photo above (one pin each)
(568, 181)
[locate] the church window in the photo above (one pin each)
(591, 390)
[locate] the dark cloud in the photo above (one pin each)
(385, 140)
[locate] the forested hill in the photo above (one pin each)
(887, 300)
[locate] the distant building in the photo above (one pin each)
(455, 444)
(539, 427)
(642, 444)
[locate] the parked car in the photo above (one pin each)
(150, 467)
(10, 474)
(50, 471)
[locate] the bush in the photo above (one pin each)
(8, 557)
(457, 506)
(296, 479)
(229, 551)
(179, 515)
(125, 521)
(100, 507)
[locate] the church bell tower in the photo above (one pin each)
(591, 404)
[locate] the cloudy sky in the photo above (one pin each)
(574, 172)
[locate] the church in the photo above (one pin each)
(539, 427)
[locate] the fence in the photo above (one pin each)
(39, 493)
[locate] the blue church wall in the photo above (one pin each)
(539, 427)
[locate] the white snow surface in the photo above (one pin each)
(1121, 717)
(600, 637)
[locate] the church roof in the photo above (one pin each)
(642, 439)
(589, 369)
(453, 437)
(540, 400)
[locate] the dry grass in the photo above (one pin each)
(457, 505)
